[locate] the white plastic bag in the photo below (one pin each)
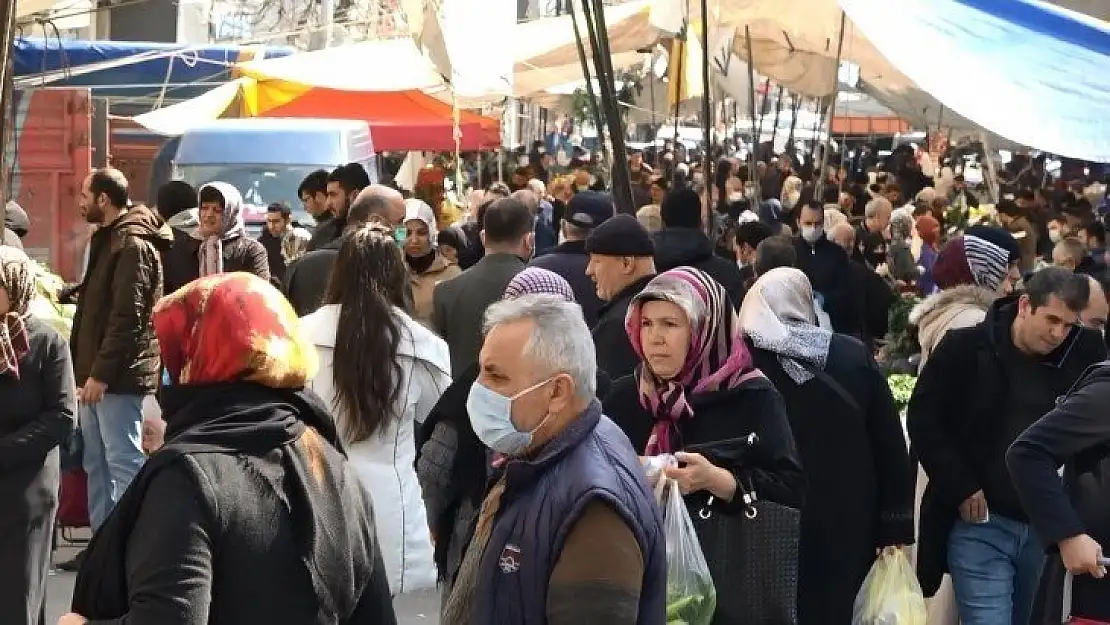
(691, 596)
(890, 594)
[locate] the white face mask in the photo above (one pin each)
(1055, 236)
(491, 415)
(811, 234)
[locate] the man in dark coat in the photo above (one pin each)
(826, 265)
(980, 389)
(683, 243)
(306, 279)
(459, 304)
(585, 211)
(344, 185)
(1070, 516)
(621, 264)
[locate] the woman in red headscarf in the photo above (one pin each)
(928, 228)
(249, 514)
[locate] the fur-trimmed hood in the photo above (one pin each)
(959, 307)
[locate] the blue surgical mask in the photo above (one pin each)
(400, 233)
(491, 415)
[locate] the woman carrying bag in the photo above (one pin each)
(697, 395)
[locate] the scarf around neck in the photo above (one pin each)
(17, 279)
(211, 253)
(779, 316)
(245, 419)
(717, 358)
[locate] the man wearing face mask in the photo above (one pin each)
(826, 265)
(459, 303)
(569, 531)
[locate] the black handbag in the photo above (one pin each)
(752, 558)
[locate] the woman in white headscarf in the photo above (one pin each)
(427, 266)
(224, 246)
(859, 495)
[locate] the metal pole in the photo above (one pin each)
(751, 109)
(831, 111)
(603, 63)
(595, 109)
(7, 119)
(707, 116)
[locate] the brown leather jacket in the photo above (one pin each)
(112, 339)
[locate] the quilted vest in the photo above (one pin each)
(543, 498)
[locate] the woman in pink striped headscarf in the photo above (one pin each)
(696, 389)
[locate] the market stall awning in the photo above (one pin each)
(131, 69)
(399, 120)
(1023, 69)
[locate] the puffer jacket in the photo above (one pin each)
(959, 307)
(112, 338)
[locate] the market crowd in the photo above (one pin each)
(420, 394)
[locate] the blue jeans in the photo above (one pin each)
(995, 569)
(112, 435)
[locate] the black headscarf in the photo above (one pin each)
(243, 419)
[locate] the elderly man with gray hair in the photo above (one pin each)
(569, 531)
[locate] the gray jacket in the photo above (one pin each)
(459, 304)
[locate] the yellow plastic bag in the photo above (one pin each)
(890, 594)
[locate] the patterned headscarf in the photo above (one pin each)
(538, 281)
(211, 248)
(778, 315)
(17, 279)
(717, 358)
(232, 327)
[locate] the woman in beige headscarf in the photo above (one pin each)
(427, 265)
(791, 192)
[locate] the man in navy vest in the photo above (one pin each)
(569, 531)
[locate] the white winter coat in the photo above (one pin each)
(385, 461)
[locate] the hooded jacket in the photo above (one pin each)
(960, 307)
(112, 338)
(690, 247)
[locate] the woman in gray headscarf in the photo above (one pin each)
(39, 398)
(223, 242)
(859, 493)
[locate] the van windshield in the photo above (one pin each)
(260, 185)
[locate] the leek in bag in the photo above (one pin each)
(890, 594)
(691, 597)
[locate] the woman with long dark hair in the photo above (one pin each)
(381, 372)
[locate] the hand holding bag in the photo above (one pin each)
(752, 556)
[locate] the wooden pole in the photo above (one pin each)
(831, 112)
(7, 119)
(594, 108)
(707, 117)
(752, 171)
(603, 64)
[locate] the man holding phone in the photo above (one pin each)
(982, 387)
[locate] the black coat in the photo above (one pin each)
(272, 245)
(240, 254)
(826, 265)
(772, 466)
(38, 416)
(569, 260)
(690, 247)
(859, 477)
(326, 232)
(958, 421)
(615, 355)
(306, 279)
(1076, 434)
